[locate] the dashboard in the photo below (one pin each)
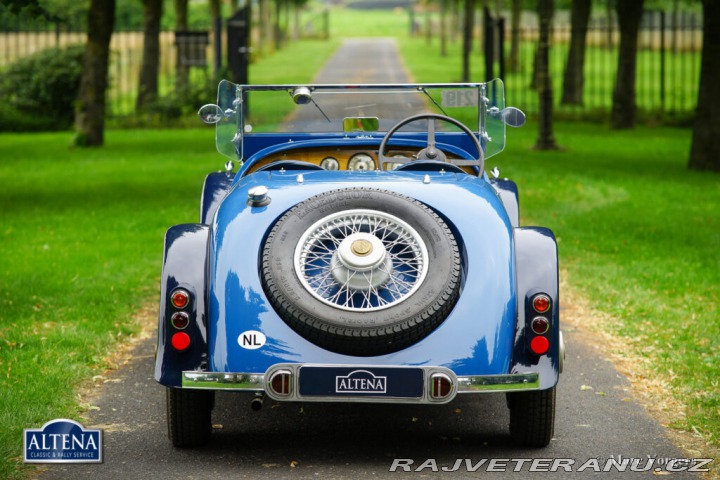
(346, 158)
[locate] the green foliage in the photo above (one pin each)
(638, 236)
(43, 88)
(82, 233)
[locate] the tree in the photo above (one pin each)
(217, 34)
(546, 139)
(443, 28)
(575, 66)
(705, 150)
(468, 27)
(265, 36)
(90, 111)
(514, 58)
(182, 71)
(629, 14)
(149, 69)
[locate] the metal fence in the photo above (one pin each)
(668, 61)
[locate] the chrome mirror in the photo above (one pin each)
(513, 117)
(210, 113)
(301, 96)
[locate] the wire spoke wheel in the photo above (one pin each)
(361, 260)
(361, 271)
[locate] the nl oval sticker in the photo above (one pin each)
(251, 340)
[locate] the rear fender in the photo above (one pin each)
(184, 266)
(508, 192)
(537, 272)
(216, 187)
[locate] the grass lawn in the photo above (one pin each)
(82, 237)
(81, 234)
(638, 234)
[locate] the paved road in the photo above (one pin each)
(359, 441)
(360, 61)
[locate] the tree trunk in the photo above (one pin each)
(217, 35)
(181, 24)
(705, 150)
(468, 25)
(609, 26)
(296, 21)
(277, 28)
(624, 108)
(546, 139)
(90, 110)
(265, 36)
(514, 59)
(574, 69)
(443, 27)
(148, 84)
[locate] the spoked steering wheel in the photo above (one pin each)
(430, 152)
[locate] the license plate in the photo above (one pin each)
(362, 382)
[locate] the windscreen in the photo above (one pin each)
(334, 110)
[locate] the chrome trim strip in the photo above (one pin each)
(248, 382)
(255, 382)
(499, 383)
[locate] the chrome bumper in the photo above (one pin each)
(258, 383)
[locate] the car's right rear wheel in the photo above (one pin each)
(532, 417)
(188, 417)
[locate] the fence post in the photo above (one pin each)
(662, 60)
(501, 46)
(489, 46)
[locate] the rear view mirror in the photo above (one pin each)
(513, 117)
(210, 114)
(361, 124)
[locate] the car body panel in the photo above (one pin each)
(466, 342)
(234, 328)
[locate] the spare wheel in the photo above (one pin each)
(361, 271)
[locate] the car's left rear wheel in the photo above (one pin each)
(188, 416)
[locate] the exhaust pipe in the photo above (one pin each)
(257, 403)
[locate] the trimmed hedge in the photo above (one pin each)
(39, 91)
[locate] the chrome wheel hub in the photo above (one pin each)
(361, 260)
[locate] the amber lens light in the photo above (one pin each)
(540, 325)
(539, 345)
(180, 320)
(180, 341)
(180, 298)
(541, 303)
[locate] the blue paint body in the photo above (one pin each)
(485, 333)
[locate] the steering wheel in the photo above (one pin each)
(430, 152)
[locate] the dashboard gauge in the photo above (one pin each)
(330, 163)
(393, 166)
(361, 161)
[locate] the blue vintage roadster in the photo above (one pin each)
(360, 253)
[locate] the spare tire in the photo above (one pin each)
(361, 271)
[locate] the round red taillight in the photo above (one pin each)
(280, 383)
(180, 320)
(540, 325)
(180, 298)
(539, 345)
(441, 386)
(180, 341)
(541, 303)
